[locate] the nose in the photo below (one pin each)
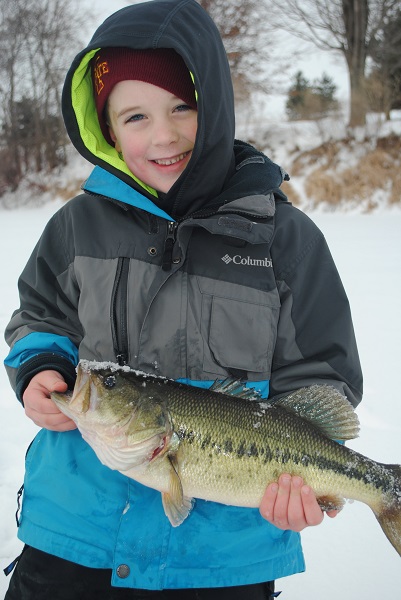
(165, 133)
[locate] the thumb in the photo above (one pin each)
(58, 384)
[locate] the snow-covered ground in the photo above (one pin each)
(348, 557)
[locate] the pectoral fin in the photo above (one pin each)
(176, 506)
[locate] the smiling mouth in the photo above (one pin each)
(165, 162)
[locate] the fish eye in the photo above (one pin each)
(110, 381)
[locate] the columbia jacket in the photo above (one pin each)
(219, 277)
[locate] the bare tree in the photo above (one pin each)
(384, 82)
(246, 33)
(36, 42)
(346, 26)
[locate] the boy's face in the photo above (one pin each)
(154, 130)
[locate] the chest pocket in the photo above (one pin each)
(239, 329)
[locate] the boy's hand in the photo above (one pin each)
(289, 504)
(38, 405)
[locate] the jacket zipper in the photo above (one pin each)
(119, 301)
(168, 245)
(173, 226)
(119, 329)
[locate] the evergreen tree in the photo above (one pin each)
(311, 100)
(296, 96)
(386, 55)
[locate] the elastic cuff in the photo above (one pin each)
(44, 362)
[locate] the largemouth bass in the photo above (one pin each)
(225, 444)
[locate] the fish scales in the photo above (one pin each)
(229, 458)
(226, 444)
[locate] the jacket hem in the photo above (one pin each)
(67, 548)
(164, 577)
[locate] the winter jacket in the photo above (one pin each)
(219, 277)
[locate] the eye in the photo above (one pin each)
(135, 118)
(183, 108)
(110, 381)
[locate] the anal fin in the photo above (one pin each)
(327, 503)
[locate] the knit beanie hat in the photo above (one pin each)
(163, 67)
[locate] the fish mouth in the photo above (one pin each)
(123, 443)
(66, 401)
(61, 399)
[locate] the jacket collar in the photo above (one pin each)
(104, 183)
(251, 191)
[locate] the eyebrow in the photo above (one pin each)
(129, 109)
(141, 108)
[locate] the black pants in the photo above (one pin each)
(41, 576)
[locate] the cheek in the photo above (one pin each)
(133, 148)
(192, 129)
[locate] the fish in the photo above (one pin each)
(226, 444)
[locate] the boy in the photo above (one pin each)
(183, 259)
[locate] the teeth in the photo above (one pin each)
(170, 161)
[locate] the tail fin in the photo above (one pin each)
(390, 517)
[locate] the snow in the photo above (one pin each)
(348, 557)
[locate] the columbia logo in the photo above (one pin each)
(237, 259)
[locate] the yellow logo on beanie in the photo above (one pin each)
(100, 69)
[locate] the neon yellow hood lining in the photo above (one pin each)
(84, 108)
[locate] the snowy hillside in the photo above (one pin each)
(328, 169)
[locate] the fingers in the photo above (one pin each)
(38, 405)
(44, 413)
(312, 511)
(289, 504)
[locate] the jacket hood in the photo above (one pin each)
(184, 26)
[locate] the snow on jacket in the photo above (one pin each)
(219, 277)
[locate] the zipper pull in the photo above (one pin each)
(168, 246)
(121, 359)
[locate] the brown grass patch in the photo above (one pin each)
(373, 171)
(378, 169)
(395, 195)
(322, 187)
(391, 144)
(66, 193)
(290, 191)
(325, 155)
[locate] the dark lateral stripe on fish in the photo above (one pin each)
(246, 450)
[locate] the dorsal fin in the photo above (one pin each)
(326, 408)
(233, 387)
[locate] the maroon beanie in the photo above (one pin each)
(162, 67)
